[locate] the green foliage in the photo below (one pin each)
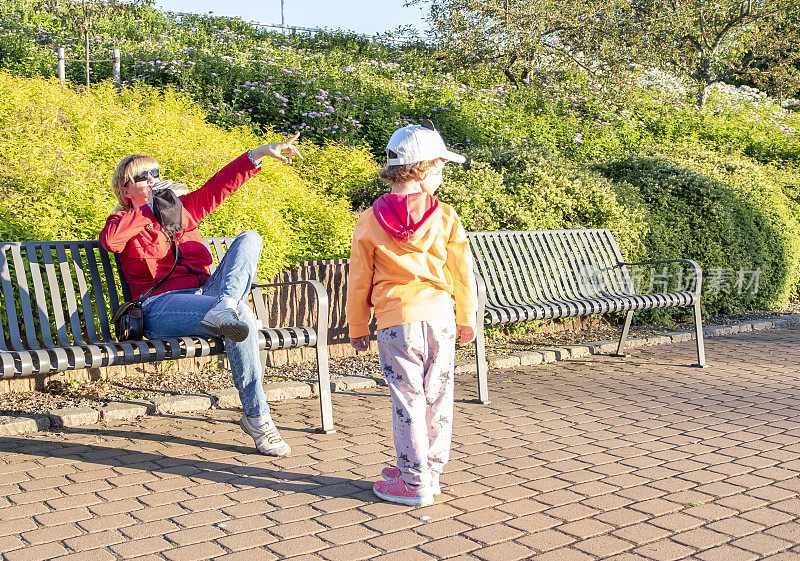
(58, 149)
(336, 169)
(524, 190)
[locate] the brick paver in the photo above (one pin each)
(636, 459)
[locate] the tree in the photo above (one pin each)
(515, 37)
(695, 38)
(702, 39)
(773, 66)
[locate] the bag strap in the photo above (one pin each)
(177, 252)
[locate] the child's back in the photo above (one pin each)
(411, 263)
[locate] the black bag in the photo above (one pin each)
(128, 320)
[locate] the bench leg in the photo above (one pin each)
(624, 337)
(698, 328)
(324, 377)
(480, 356)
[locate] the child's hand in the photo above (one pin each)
(465, 334)
(360, 343)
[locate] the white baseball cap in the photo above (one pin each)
(418, 143)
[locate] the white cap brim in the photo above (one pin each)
(453, 157)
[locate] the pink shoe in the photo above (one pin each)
(396, 491)
(389, 473)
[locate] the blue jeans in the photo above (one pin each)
(179, 312)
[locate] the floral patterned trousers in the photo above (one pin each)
(418, 360)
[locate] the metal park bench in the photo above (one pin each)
(58, 297)
(548, 274)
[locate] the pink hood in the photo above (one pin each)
(407, 218)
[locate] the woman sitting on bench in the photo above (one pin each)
(192, 301)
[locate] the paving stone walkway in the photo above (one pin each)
(593, 458)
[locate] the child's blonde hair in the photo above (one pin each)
(403, 173)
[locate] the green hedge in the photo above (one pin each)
(729, 214)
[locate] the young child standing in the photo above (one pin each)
(411, 263)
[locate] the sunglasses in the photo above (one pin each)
(145, 174)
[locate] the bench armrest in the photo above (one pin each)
(698, 271)
(320, 295)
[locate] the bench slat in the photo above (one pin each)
(11, 333)
(597, 260)
(32, 252)
(112, 302)
(66, 284)
(588, 257)
(526, 271)
(101, 311)
(549, 267)
(567, 266)
(86, 313)
(556, 274)
(625, 282)
(25, 362)
(581, 265)
(7, 360)
(24, 298)
(55, 296)
(527, 244)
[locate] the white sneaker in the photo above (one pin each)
(268, 439)
(224, 322)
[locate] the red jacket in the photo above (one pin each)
(144, 247)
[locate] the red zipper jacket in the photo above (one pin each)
(144, 247)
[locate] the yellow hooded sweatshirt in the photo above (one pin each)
(410, 261)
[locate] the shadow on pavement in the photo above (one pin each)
(261, 476)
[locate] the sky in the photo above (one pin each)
(362, 16)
